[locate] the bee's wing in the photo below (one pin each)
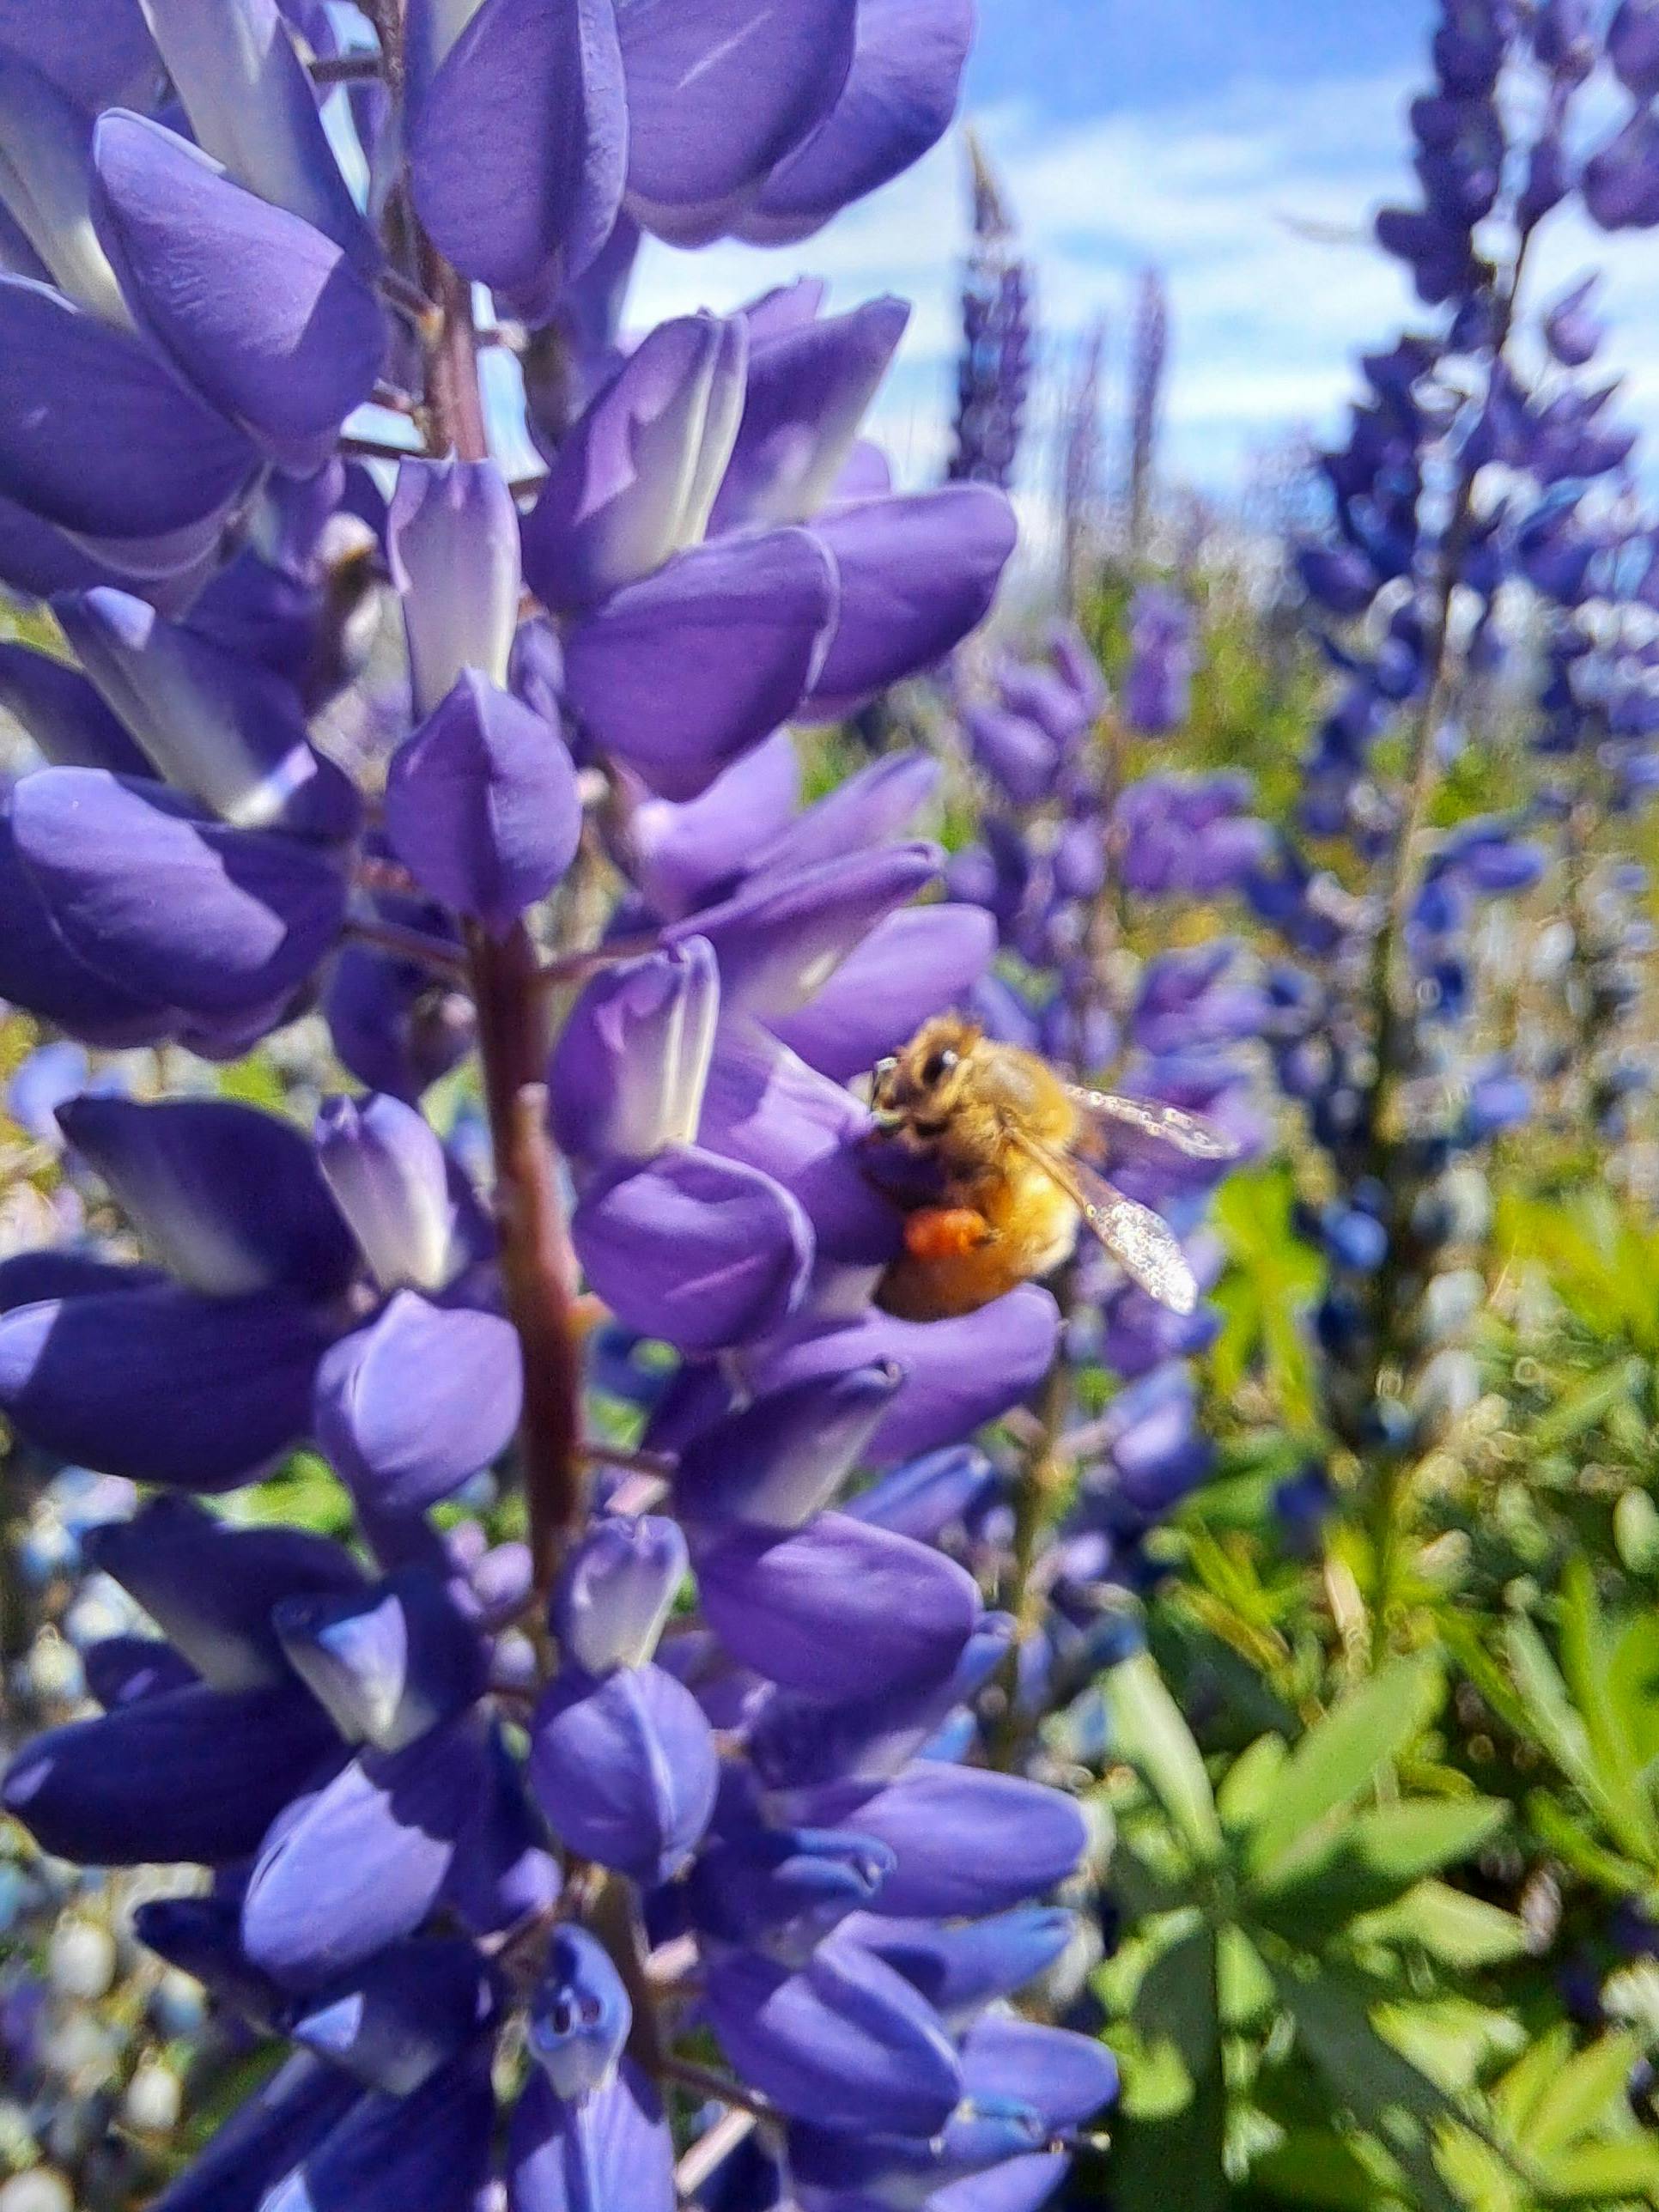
(1187, 1132)
(1141, 1242)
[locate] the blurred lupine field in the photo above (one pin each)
(525, 1688)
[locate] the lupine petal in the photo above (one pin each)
(917, 573)
(120, 1669)
(482, 805)
(229, 1199)
(580, 2015)
(698, 1250)
(780, 939)
(188, 1776)
(766, 1108)
(680, 673)
(807, 393)
(960, 1969)
(84, 1376)
(958, 1374)
(1064, 2077)
(831, 2166)
(64, 714)
(611, 2152)
(388, 1664)
(782, 1891)
(58, 1272)
(633, 482)
(898, 101)
(845, 2041)
(95, 433)
(202, 1935)
(918, 962)
(46, 147)
(210, 1586)
(783, 1457)
(251, 105)
(388, 1175)
(878, 804)
(411, 1406)
(518, 144)
(365, 1860)
(630, 1070)
(686, 854)
(796, 1742)
(97, 54)
(262, 313)
(625, 1770)
(719, 91)
(925, 1497)
(148, 889)
(968, 1840)
(426, 2152)
(1018, 2184)
(38, 971)
(211, 723)
(394, 2021)
(452, 538)
(503, 1871)
(616, 1591)
(838, 1609)
(266, 2136)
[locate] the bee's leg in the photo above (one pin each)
(945, 1232)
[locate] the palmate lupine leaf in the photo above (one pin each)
(1375, 1859)
(1342, 1754)
(1168, 2147)
(1150, 1733)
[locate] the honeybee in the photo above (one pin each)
(997, 1134)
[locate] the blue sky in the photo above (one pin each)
(1240, 145)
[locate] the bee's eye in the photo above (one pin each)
(939, 1064)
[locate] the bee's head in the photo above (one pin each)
(918, 1090)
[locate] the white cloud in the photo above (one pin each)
(1254, 201)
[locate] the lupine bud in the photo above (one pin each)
(626, 1080)
(616, 1591)
(389, 1176)
(452, 535)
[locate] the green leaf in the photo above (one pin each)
(1517, 2097)
(1246, 1987)
(1636, 1532)
(253, 1082)
(1374, 1858)
(1585, 1662)
(1601, 2173)
(1247, 1788)
(1581, 1407)
(1169, 2138)
(1313, 2166)
(1457, 1930)
(1149, 1732)
(1388, 2095)
(1343, 1752)
(1568, 1840)
(1582, 2097)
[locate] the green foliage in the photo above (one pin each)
(1307, 2008)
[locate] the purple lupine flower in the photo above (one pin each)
(994, 372)
(1148, 355)
(1157, 684)
(728, 1705)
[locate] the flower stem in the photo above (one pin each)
(538, 1268)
